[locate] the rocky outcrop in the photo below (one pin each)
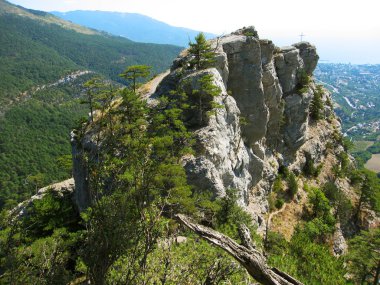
(263, 121)
(339, 242)
(225, 161)
(62, 188)
(80, 145)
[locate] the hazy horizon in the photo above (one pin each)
(343, 31)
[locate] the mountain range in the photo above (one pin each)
(133, 26)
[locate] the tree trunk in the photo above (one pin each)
(377, 276)
(252, 260)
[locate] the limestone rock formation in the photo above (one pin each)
(339, 243)
(265, 93)
(264, 83)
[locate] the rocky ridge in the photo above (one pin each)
(265, 94)
(264, 82)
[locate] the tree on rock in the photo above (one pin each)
(203, 98)
(201, 51)
(316, 106)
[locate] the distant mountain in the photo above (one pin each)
(37, 47)
(136, 27)
(43, 62)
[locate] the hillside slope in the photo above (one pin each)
(37, 48)
(38, 106)
(264, 134)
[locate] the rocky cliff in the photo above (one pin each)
(263, 122)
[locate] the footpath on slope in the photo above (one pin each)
(150, 87)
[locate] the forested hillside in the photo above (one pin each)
(43, 62)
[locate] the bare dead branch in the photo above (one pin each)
(252, 260)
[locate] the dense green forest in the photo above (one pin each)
(39, 101)
(34, 137)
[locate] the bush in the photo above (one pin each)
(50, 213)
(279, 203)
(277, 185)
(309, 168)
(303, 81)
(316, 105)
(292, 185)
(309, 262)
(283, 171)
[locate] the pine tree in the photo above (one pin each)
(316, 106)
(134, 73)
(364, 258)
(93, 87)
(202, 53)
(203, 98)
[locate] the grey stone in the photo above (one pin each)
(296, 117)
(309, 56)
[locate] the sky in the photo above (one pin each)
(345, 31)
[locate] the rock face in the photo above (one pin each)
(264, 121)
(339, 243)
(265, 93)
(225, 162)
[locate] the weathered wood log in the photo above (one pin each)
(245, 236)
(252, 260)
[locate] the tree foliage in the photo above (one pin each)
(364, 257)
(317, 105)
(201, 100)
(35, 124)
(134, 73)
(201, 52)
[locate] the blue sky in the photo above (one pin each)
(343, 30)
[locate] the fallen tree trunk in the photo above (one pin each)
(253, 260)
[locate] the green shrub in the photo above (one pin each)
(277, 185)
(51, 212)
(303, 81)
(316, 106)
(309, 169)
(308, 261)
(292, 185)
(283, 171)
(279, 203)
